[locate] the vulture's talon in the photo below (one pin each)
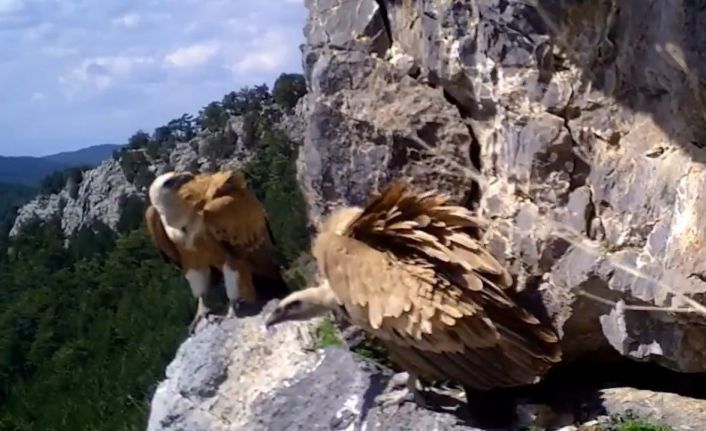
(397, 397)
(234, 307)
(195, 321)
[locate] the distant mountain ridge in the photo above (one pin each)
(30, 170)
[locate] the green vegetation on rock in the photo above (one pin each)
(12, 197)
(56, 181)
(326, 334)
(631, 422)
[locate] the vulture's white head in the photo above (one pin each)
(303, 305)
(176, 214)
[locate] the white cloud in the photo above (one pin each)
(133, 20)
(97, 74)
(37, 96)
(39, 32)
(194, 55)
(58, 51)
(15, 14)
(266, 54)
(128, 20)
(10, 6)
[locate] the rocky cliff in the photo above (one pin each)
(583, 122)
(577, 128)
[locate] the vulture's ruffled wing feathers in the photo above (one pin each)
(411, 270)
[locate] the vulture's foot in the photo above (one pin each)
(201, 312)
(409, 393)
(397, 398)
(234, 306)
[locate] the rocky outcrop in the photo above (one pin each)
(99, 197)
(233, 374)
(236, 375)
(585, 124)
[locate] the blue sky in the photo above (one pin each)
(75, 73)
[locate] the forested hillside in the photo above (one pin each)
(86, 330)
(12, 196)
(30, 170)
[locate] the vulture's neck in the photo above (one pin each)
(320, 296)
(180, 223)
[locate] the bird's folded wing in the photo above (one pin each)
(238, 223)
(404, 302)
(480, 338)
(159, 236)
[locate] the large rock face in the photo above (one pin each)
(586, 121)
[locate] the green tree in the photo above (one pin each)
(136, 168)
(162, 134)
(138, 140)
(288, 89)
(12, 196)
(182, 127)
(247, 99)
(56, 181)
(272, 175)
(213, 117)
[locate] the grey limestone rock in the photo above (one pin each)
(99, 197)
(234, 374)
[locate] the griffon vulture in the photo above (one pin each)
(213, 220)
(410, 270)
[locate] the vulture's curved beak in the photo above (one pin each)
(277, 316)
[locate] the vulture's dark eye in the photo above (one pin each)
(294, 304)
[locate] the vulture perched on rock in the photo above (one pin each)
(206, 221)
(410, 270)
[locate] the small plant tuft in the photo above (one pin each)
(326, 334)
(631, 422)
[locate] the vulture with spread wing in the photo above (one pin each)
(410, 270)
(206, 221)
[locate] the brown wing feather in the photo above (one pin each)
(237, 219)
(195, 191)
(412, 271)
(159, 236)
